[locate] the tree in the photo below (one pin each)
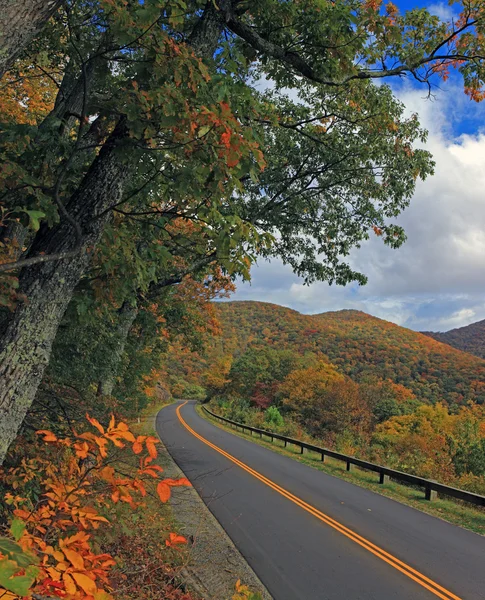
(257, 373)
(19, 23)
(180, 138)
(301, 388)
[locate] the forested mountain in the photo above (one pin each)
(470, 338)
(356, 344)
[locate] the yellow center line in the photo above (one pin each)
(416, 576)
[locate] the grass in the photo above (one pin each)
(455, 512)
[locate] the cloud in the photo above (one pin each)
(436, 281)
(442, 10)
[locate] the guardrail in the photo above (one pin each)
(432, 488)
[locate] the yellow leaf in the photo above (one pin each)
(54, 573)
(85, 583)
(69, 583)
(74, 558)
(102, 595)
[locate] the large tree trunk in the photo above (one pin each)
(126, 317)
(26, 344)
(20, 21)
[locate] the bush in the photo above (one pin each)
(273, 417)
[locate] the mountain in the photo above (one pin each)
(359, 345)
(469, 339)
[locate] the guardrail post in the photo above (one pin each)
(383, 478)
(272, 439)
(260, 435)
(323, 457)
(431, 494)
(350, 466)
(301, 449)
(285, 443)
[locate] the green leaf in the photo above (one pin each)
(8, 547)
(21, 584)
(17, 529)
(35, 216)
(204, 130)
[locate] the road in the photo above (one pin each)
(311, 536)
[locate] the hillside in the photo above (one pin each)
(469, 339)
(359, 345)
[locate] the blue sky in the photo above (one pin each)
(436, 281)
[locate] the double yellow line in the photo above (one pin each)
(416, 576)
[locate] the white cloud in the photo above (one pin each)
(437, 279)
(441, 10)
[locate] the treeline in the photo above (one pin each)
(374, 419)
(469, 339)
(357, 344)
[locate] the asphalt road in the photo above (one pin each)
(293, 551)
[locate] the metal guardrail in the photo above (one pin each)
(432, 488)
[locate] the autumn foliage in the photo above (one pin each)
(57, 499)
(348, 381)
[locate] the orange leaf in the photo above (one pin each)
(74, 558)
(175, 539)
(152, 471)
(126, 435)
(82, 450)
(177, 482)
(150, 444)
(95, 423)
(108, 474)
(163, 491)
(137, 446)
(85, 583)
(102, 446)
(71, 588)
(48, 435)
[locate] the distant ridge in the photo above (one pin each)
(359, 345)
(470, 338)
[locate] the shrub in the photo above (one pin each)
(273, 417)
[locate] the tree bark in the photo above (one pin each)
(20, 22)
(126, 316)
(26, 344)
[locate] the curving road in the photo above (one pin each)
(311, 536)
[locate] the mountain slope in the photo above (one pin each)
(360, 345)
(469, 339)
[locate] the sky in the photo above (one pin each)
(436, 281)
